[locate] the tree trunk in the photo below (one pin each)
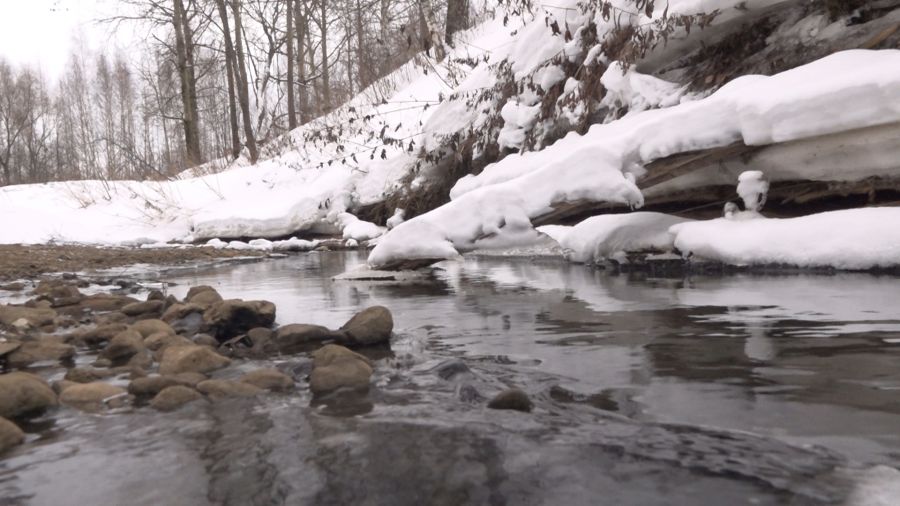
(232, 78)
(430, 33)
(184, 59)
(241, 73)
(326, 85)
(289, 39)
(300, 26)
(457, 18)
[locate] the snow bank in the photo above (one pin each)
(853, 239)
(500, 215)
(815, 99)
(611, 236)
(358, 230)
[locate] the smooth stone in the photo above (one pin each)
(336, 367)
(225, 388)
(37, 317)
(10, 435)
(162, 340)
(22, 394)
(147, 328)
(370, 326)
(150, 385)
(191, 358)
(174, 397)
(102, 333)
(93, 396)
(514, 399)
(229, 318)
(124, 345)
(146, 307)
(84, 375)
(298, 336)
(39, 351)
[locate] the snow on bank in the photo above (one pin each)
(352, 156)
(844, 91)
(852, 239)
(612, 236)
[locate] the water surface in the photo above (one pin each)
(703, 390)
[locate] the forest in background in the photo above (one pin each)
(215, 78)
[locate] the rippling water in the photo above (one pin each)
(704, 390)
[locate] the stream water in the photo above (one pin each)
(704, 390)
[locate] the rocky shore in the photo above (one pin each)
(114, 353)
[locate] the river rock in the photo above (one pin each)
(513, 398)
(124, 345)
(103, 302)
(185, 318)
(189, 379)
(299, 337)
(336, 367)
(140, 362)
(85, 375)
(112, 317)
(173, 397)
(93, 396)
(60, 385)
(8, 346)
(268, 379)
(191, 358)
(156, 295)
(196, 290)
(205, 298)
(225, 388)
(162, 340)
(142, 308)
(10, 435)
(22, 394)
(370, 326)
(229, 318)
(59, 293)
(180, 311)
(151, 326)
(205, 340)
(150, 385)
(36, 317)
(45, 349)
(101, 333)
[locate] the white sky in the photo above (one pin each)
(42, 33)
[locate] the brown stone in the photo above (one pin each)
(22, 394)
(36, 317)
(39, 351)
(369, 327)
(174, 397)
(10, 435)
(191, 358)
(148, 327)
(226, 388)
(93, 396)
(141, 308)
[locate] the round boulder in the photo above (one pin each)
(225, 388)
(299, 337)
(336, 367)
(191, 358)
(174, 397)
(513, 398)
(229, 318)
(22, 394)
(10, 435)
(369, 327)
(93, 396)
(124, 345)
(149, 327)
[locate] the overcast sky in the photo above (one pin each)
(44, 32)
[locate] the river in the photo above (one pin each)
(738, 389)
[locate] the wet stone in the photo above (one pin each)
(513, 399)
(174, 397)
